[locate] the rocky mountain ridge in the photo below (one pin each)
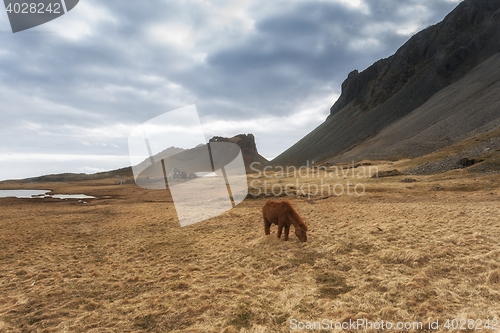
(392, 88)
(247, 145)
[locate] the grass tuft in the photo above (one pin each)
(331, 285)
(242, 317)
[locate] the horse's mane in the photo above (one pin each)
(294, 217)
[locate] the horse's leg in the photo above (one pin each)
(267, 226)
(287, 231)
(280, 228)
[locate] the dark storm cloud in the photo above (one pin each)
(310, 44)
(292, 51)
(87, 77)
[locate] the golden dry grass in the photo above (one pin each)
(122, 263)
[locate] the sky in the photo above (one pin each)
(72, 90)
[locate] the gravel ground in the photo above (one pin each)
(453, 162)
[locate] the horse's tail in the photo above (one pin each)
(295, 217)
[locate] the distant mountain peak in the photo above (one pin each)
(248, 147)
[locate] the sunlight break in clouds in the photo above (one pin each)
(355, 4)
(83, 22)
(175, 35)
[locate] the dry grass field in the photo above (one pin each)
(401, 252)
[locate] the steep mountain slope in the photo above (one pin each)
(393, 88)
(464, 108)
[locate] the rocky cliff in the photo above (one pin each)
(247, 145)
(394, 87)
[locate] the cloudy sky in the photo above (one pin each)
(73, 89)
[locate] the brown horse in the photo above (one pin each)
(283, 214)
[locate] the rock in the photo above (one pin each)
(408, 180)
(436, 188)
(466, 162)
(354, 85)
(390, 173)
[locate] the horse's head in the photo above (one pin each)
(301, 234)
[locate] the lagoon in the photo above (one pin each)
(40, 194)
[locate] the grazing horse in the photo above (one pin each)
(283, 214)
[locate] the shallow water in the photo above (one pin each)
(39, 194)
(23, 193)
(72, 196)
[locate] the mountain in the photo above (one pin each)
(246, 142)
(200, 159)
(248, 148)
(438, 88)
(166, 153)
